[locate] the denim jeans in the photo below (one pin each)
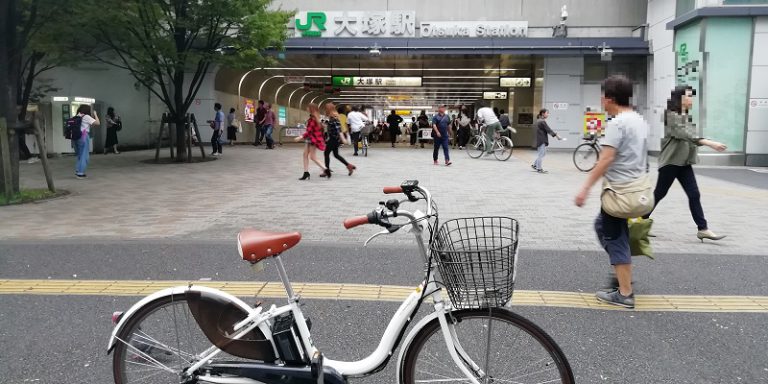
(356, 138)
(268, 135)
(441, 142)
(541, 151)
(215, 141)
(613, 234)
(82, 150)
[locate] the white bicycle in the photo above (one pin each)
(195, 334)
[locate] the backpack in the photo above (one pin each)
(72, 128)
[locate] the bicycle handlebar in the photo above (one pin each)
(356, 221)
(390, 190)
(380, 215)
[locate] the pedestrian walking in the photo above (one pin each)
(464, 122)
(454, 130)
(260, 112)
(114, 124)
(343, 110)
(394, 120)
(267, 123)
(543, 131)
(313, 140)
(440, 132)
(679, 151)
(82, 146)
(356, 121)
(505, 124)
(413, 131)
(334, 140)
(423, 121)
(488, 116)
(217, 124)
(231, 127)
(622, 160)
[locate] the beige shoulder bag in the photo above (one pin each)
(631, 199)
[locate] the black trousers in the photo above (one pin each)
(687, 179)
(24, 152)
(414, 135)
(259, 134)
(356, 137)
(393, 132)
(333, 147)
(463, 136)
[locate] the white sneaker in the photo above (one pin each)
(32, 160)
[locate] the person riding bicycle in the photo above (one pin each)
(487, 116)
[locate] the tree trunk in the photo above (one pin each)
(178, 101)
(10, 62)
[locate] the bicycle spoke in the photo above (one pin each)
(147, 357)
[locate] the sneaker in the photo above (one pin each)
(447, 163)
(533, 166)
(541, 171)
(616, 298)
(32, 160)
(436, 163)
(81, 177)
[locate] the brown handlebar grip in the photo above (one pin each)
(389, 190)
(355, 221)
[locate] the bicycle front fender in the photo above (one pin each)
(178, 290)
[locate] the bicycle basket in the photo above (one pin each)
(477, 258)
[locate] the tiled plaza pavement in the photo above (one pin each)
(124, 198)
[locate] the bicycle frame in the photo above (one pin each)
(379, 358)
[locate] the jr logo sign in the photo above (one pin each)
(317, 19)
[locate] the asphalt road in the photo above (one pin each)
(62, 339)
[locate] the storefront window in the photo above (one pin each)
(684, 6)
(728, 43)
(690, 64)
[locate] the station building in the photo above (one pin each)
(516, 55)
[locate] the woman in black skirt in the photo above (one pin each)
(231, 128)
(113, 125)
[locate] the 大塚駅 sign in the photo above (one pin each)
(398, 24)
(375, 81)
(514, 82)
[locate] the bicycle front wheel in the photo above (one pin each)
(476, 147)
(585, 157)
(500, 347)
(503, 149)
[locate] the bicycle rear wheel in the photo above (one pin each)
(503, 148)
(585, 157)
(476, 147)
(505, 347)
(159, 342)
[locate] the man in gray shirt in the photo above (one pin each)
(622, 159)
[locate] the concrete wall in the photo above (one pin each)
(563, 77)
(757, 123)
(661, 67)
(112, 87)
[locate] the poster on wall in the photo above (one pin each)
(249, 110)
(594, 124)
(281, 116)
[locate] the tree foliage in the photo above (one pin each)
(162, 41)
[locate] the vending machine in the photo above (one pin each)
(62, 108)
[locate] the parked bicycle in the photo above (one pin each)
(586, 155)
(502, 145)
(196, 334)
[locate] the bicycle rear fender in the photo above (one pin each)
(179, 290)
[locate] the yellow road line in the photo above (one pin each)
(367, 292)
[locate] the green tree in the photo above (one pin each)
(34, 37)
(169, 45)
